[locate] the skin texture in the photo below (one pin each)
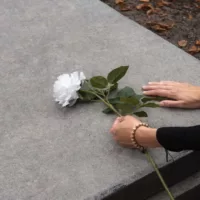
(183, 95)
(122, 129)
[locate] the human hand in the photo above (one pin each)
(185, 95)
(122, 129)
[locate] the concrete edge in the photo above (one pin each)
(193, 194)
(149, 185)
(182, 190)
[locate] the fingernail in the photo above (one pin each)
(144, 92)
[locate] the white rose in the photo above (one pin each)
(66, 87)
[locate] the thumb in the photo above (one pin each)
(172, 104)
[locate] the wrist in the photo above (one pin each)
(146, 137)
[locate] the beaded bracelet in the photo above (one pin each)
(133, 137)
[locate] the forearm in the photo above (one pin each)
(171, 138)
(179, 138)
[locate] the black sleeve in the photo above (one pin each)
(179, 138)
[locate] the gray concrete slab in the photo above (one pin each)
(51, 153)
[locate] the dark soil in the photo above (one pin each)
(174, 20)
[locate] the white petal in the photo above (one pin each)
(66, 103)
(66, 86)
(82, 76)
(75, 78)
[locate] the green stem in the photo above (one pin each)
(149, 157)
(109, 105)
(151, 160)
(108, 94)
(103, 94)
(104, 101)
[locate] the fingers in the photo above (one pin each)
(121, 130)
(172, 104)
(165, 85)
(162, 93)
(164, 89)
(115, 124)
(156, 87)
(169, 83)
(172, 83)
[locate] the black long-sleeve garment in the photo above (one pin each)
(179, 138)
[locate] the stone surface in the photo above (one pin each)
(180, 188)
(51, 153)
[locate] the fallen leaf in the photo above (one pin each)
(159, 4)
(150, 11)
(182, 43)
(154, 11)
(187, 6)
(160, 26)
(194, 49)
(163, 3)
(197, 5)
(144, 6)
(119, 1)
(146, 1)
(166, 3)
(190, 16)
(197, 42)
(124, 7)
(163, 14)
